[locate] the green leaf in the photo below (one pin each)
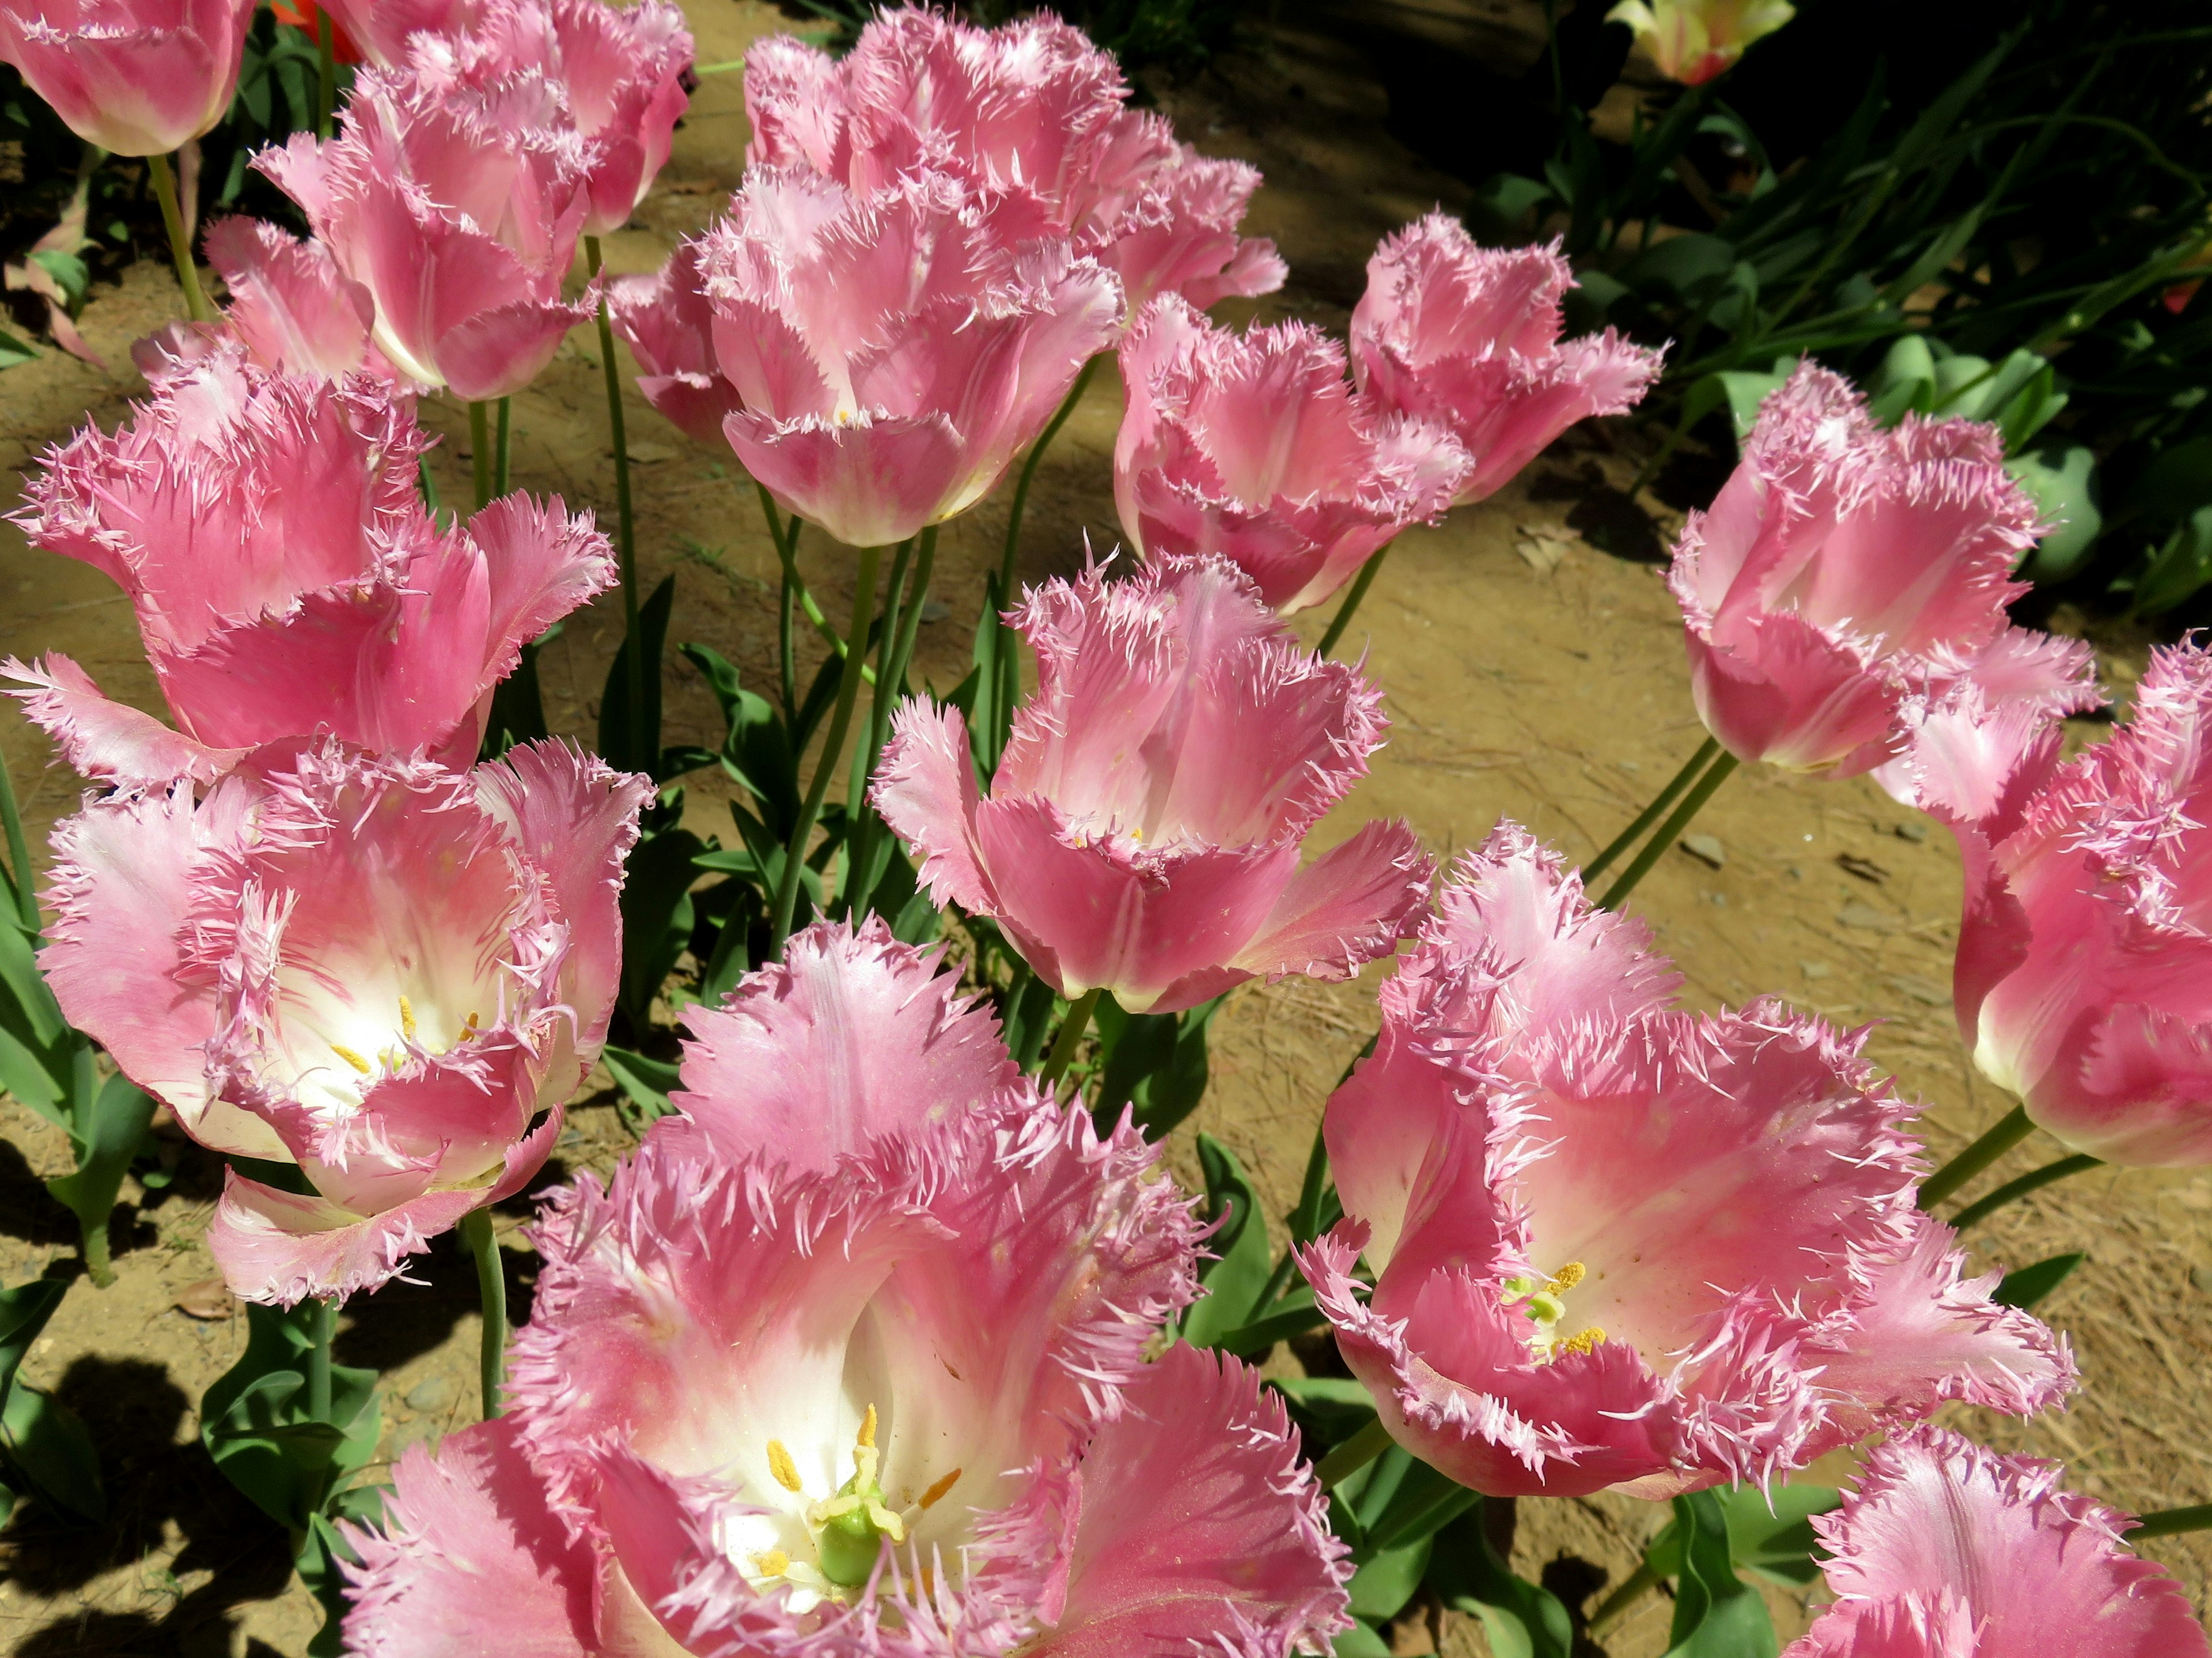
(1157, 1063)
(2030, 1284)
(37, 1055)
(1522, 1619)
(1770, 1531)
(118, 1114)
(647, 1083)
(14, 350)
(756, 749)
(24, 1311)
(1424, 1501)
(517, 705)
(1381, 1588)
(2178, 568)
(321, 1550)
(1360, 1641)
(1239, 1273)
(255, 1424)
(1716, 1613)
(615, 739)
(2175, 485)
(2063, 483)
(69, 273)
(656, 914)
(48, 1450)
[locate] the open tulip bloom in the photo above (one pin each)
(1466, 338)
(1616, 1245)
(1846, 574)
(1143, 831)
(668, 324)
(139, 77)
(855, 1366)
(1694, 41)
(1032, 110)
(892, 352)
(287, 580)
(1256, 447)
(388, 973)
(457, 209)
(1948, 1550)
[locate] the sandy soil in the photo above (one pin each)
(1529, 674)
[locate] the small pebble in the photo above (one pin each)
(1921, 990)
(1914, 829)
(433, 1396)
(934, 609)
(208, 1300)
(1814, 969)
(1707, 849)
(1867, 919)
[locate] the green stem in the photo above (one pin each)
(180, 248)
(1650, 815)
(498, 448)
(2011, 1129)
(1982, 1208)
(480, 451)
(326, 74)
(1070, 1038)
(1345, 611)
(833, 751)
(324, 1325)
(491, 1295)
(19, 855)
(2165, 1523)
(786, 550)
(1355, 1454)
(890, 684)
(1633, 1587)
(625, 540)
(1009, 557)
(1669, 832)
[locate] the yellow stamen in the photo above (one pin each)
(1569, 1276)
(929, 1498)
(352, 1059)
(781, 1464)
(1581, 1342)
(868, 1428)
(774, 1564)
(407, 1018)
(471, 1025)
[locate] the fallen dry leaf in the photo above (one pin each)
(210, 1299)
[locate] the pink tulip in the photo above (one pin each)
(893, 352)
(1030, 110)
(139, 77)
(1467, 338)
(385, 29)
(669, 326)
(1617, 1245)
(379, 969)
(287, 580)
(1949, 1550)
(1846, 573)
(2084, 975)
(1256, 447)
(1143, 831)
(620, 71)
(875, 1385)
(458, 211)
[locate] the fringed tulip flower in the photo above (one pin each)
(1694, 41)
(1618, 1246)
(2083, 982)
(457, 209)
(1846, 574)
(379, 969)
(287, 580)
(892, 352)
(385, 29)
(139, 77)
(1467, 338)
(669, 326)
(1949, 1550)
(851, 1363)
(1143, 831)
(1030, 110)
(1256, 447)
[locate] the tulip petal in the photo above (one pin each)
(1346, 908)
(926, 789)
(284, 1248)
(111, 741)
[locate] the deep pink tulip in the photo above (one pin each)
(1949, 1550)
(1467, 338)
(1143, 831)
(669, 326)
(1618, 1245)
(1031, 110)
(1255, 447)
(379, 969)
(620, 70)
(139, 77)
(385, 29)
(1846, 574)
(287, 580)
(2083, 982)
(457, 209)
(893, 352)
(860, 1372)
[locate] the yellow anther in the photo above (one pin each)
(781, 1464)
(470, 1026)
(1581, 1342)
(929, 1497)
(1569, 1276)
(407, 1018)
(774, 1564)
(868, 1428)
(352, 1059)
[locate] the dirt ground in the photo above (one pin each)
(1529, 675)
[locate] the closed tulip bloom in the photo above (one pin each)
(1846, 574)
(1467, 338)
(1618, 1246)
(1949, 1550)
(1031, 110)
(379, 969)
(1143, 831)
(892, 351)
(860, 1371)
(1255, 447)
(1694, 41)
(669, 326)
(288, 582)
(385, 30)
(457, 209)
(2084, 981)
(139, 77)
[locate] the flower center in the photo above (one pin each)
(1543, 1303)
(375, 1056)
(848, 1528)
